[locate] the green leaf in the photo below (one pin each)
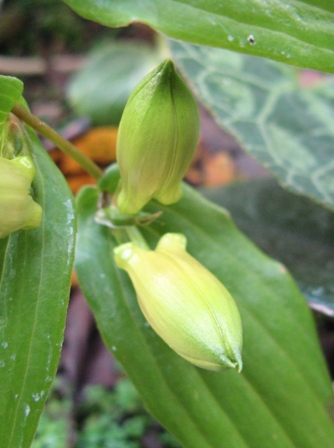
(287, 128)
(298, 32)
(10, 92)
(284, 387)
(35, 271)
(289, 228)
(101, 89)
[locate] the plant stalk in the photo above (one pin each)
(64, 145)
(136, 237)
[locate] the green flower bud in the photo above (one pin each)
(18, 210)
(14, 140)
(189, 308)
(157, 138)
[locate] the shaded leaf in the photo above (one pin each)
(101, 89)
(288, 227)
(296, 32)
(287, 128)
(10, 92)
(35, 271)
(284, 386)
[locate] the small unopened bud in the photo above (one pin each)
(189, 308)
(18, 210)
(14, 140)
(157, 138)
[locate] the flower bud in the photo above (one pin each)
(14, 140)
(157, 138)
(18, 210)
(189, 308)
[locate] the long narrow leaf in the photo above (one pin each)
(284, 387)
(35, 268)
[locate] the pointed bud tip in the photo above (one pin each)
(238, 363)
(166, 70)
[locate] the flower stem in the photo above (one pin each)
(136, 237)
(120, 236)
(64, 145)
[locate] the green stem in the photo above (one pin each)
(130, 233)
(120, 236)
(136, 237)
(64, 145)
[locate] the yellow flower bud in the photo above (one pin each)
(189, 308)
(157, 138)
(18, 210)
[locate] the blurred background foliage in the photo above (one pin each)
(104, 418)
(28, 27)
